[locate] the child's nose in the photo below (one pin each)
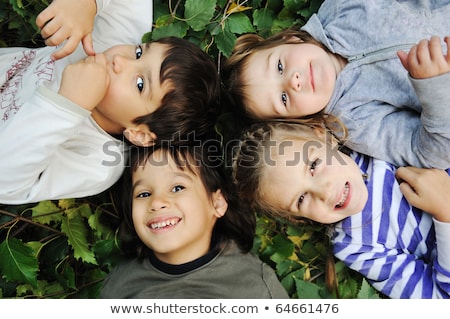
(324, 192)
(158, 202)
(119, 63)
(294, 81)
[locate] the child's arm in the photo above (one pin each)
(426, 59)
(427, 189)
(68, 20)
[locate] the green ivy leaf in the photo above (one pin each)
(83, 210)
(199, 13)
(76, 231)
(177, 29)
(281, 24)
(225, 41)
(348, 284)
(43, 288)
(66, 203)
(239, 23)
(36, 246)
(107, 252)
(54, 250)
(307, 290)
(287, 266)
(283, 246)
(67, 277)
(164, 20)
(101, 230)
(18, 7)
(263, 18)
(367, 291)
(17, 262)
(42, 212)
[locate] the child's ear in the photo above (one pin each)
(140, 135)
(220, 203)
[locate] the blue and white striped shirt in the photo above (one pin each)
(402, 251)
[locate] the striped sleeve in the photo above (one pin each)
(393, 244)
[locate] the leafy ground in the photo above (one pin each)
(64, 249)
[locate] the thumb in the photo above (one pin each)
(88, 45)
(403, 56)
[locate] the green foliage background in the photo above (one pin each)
(65, 248)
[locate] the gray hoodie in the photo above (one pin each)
(390, 116)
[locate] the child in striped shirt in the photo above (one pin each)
(390, 224)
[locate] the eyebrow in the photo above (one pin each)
(136, 184)
(149, 73)
(268, 71)
(305, 172)
(181, 174)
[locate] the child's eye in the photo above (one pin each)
(143, 195)
(178, 188)
(300, 200)
(280, 67)
(140, 83)
(138, 52)
(313, 166)
(284, 98)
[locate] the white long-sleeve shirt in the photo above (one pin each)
(51, 148)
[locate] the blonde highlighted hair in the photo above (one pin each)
(257, 143)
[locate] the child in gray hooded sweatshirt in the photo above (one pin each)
(378, 65)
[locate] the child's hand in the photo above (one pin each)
(427, 189)
(68, 20)
(426, 59)
(86, 82)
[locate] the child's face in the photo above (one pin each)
(135, 89)
(314, 181)
(173, 214)
(289, 81)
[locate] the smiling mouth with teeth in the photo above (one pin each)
(165, 223)
(343, 196)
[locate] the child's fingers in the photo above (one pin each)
(49, 30)
(44, 17)
(423, 52)
(409, 193)
(435, 49)
(88, 44)
(66, 49)
(407, 174)
(447, 40)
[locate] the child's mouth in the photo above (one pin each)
(344, 196)
(170, 222)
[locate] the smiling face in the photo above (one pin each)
(135, 89)
(172, 212)
(314, 181)
(290, 80)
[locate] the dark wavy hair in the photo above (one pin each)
(204, 160)
(192, 102)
